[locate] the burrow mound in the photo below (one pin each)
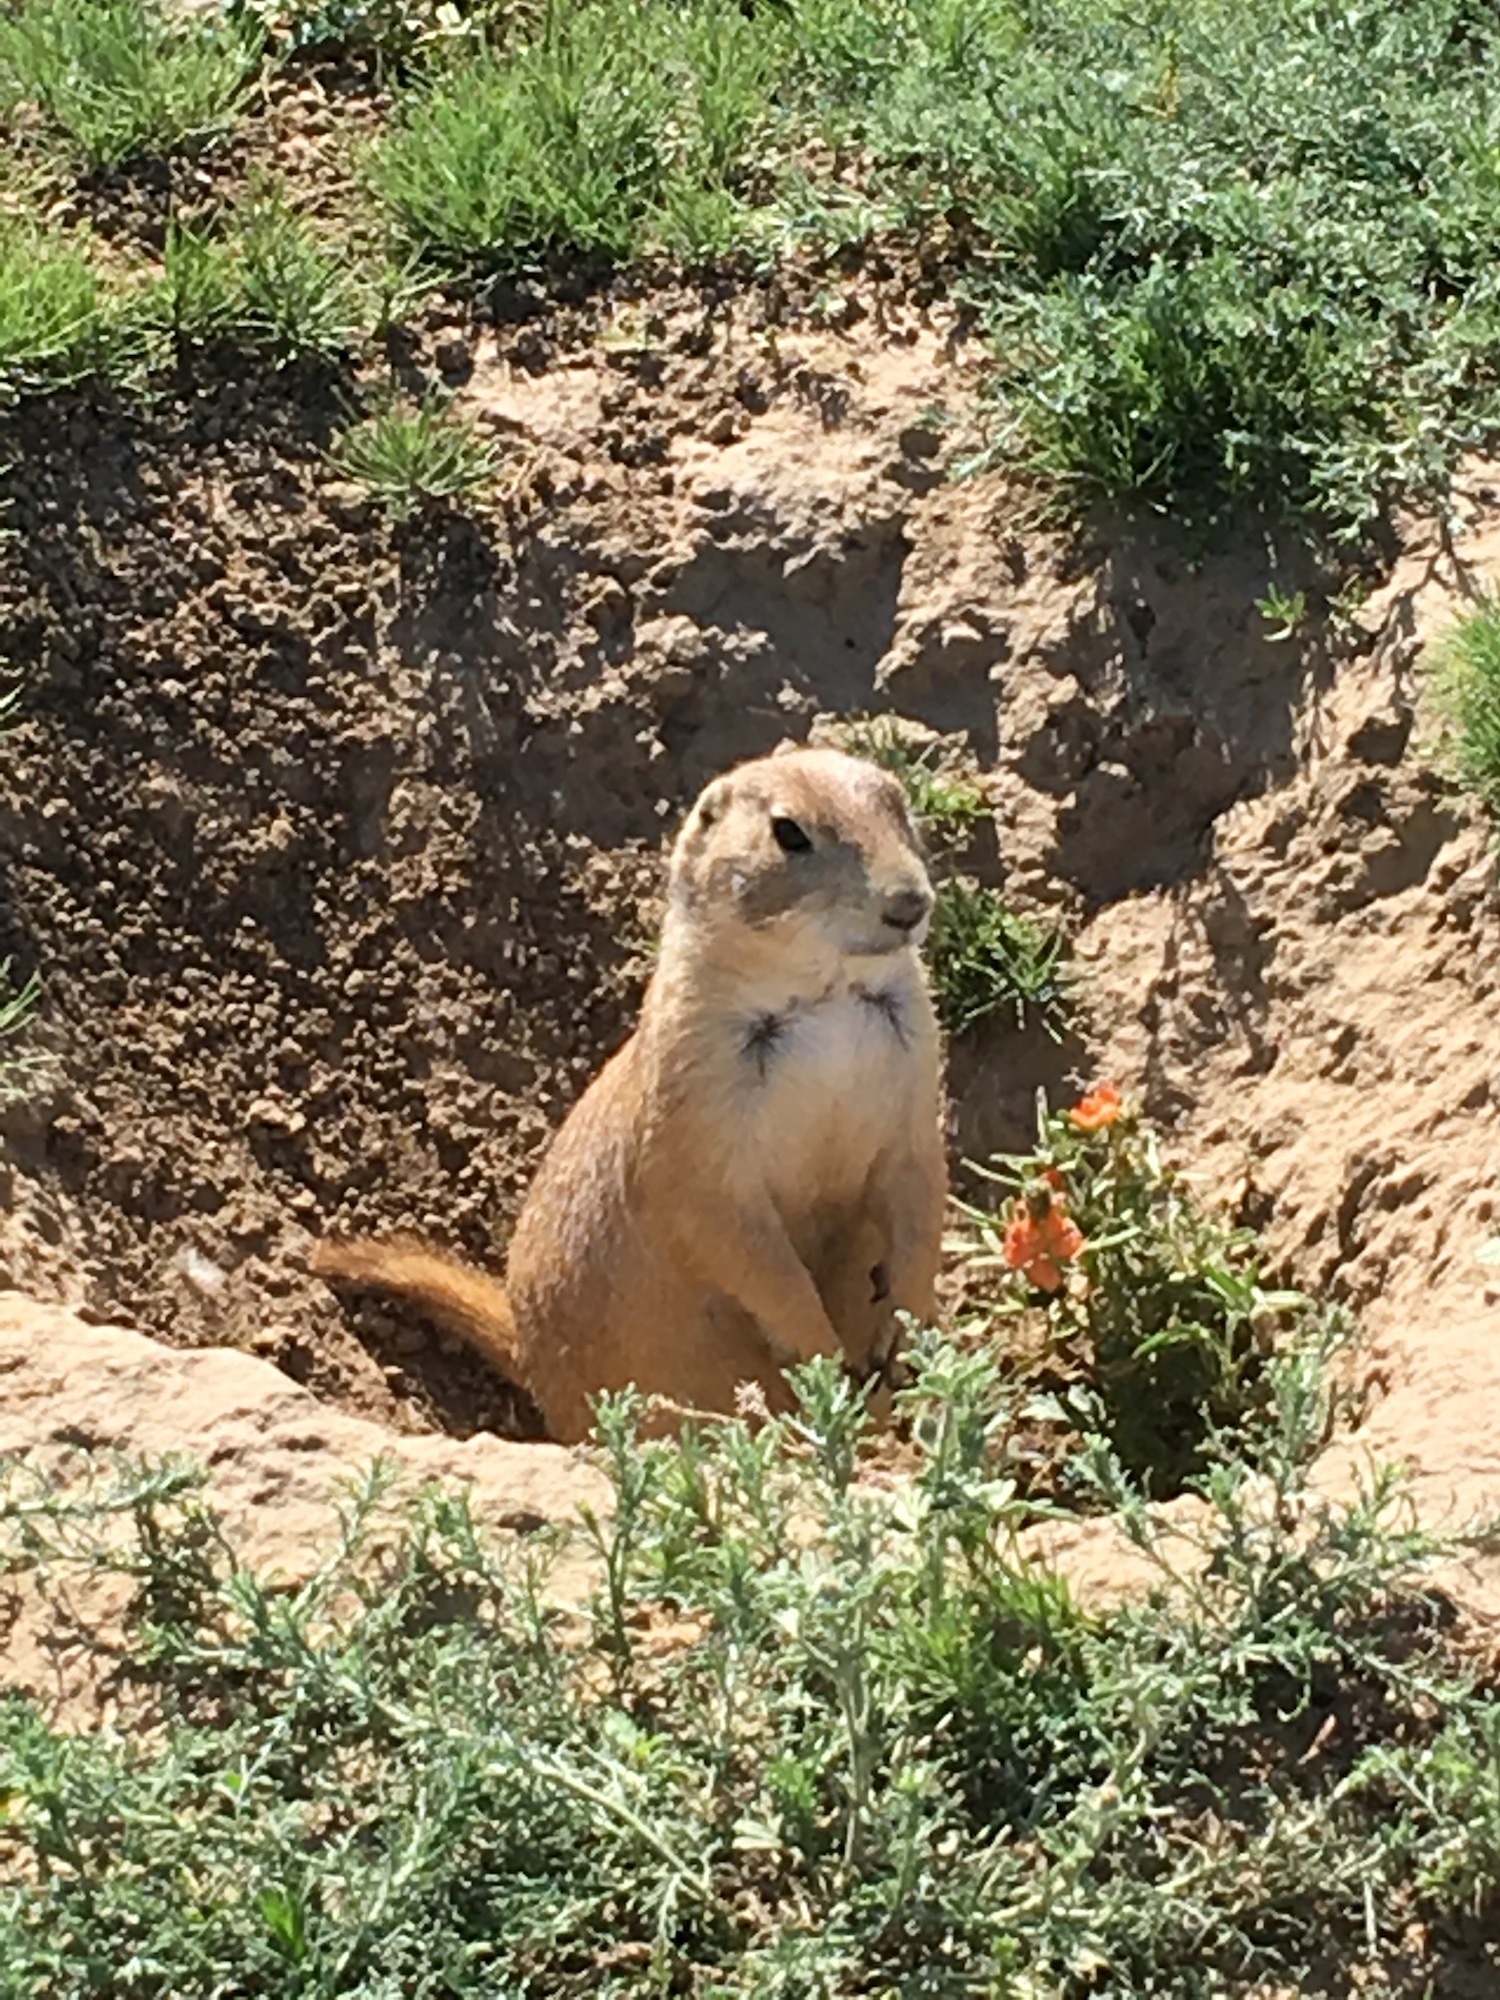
(336, 842)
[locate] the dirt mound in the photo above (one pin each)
(336, 843)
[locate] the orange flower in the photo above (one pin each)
(1101, 1107)
(1040, 1238)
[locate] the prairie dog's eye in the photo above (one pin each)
(789, 836)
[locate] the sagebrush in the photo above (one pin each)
(815, 1733)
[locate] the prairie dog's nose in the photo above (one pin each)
(905, 908)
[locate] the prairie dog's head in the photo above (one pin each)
(809, 847)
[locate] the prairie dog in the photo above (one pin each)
(758, 1175)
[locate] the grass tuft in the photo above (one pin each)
(199, 300)
(616, 127)
(19, 1067)
(991, 962)
(1465, 679)
(409, 455)
(262, 280)
(126, 79)
(58, 323)
(298, 296)
(946, 803)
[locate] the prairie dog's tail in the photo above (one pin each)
(455, 1295)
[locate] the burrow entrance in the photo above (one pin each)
(336, 842)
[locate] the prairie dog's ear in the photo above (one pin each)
(713, 801)
(787, 747)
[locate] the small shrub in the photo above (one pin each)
(1465, 681)
(406, 455)
(1148, 1297)
(1182, 388)
(125, 78)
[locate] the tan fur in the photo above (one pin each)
(465, 1300)
(758, 1175)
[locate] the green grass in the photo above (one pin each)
(1465, 680)
(614, 128)
(259, 279)
(19, 1066)
(262, 279)
(946, 802)
(199, 301)
(814, 1735)
(410, 455)
(1232, 257)
(1285, 611)
(58, 320)
(127, 79)
(299, 297)
(991, 962)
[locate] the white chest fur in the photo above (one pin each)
(826, 1085)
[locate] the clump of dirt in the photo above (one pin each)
(336, 844)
